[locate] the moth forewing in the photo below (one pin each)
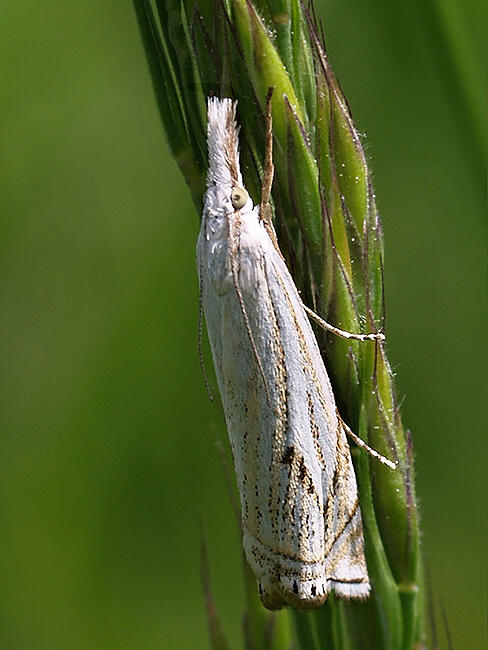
(302, 530)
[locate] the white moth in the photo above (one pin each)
(301, 521)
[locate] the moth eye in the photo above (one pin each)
(239, 197)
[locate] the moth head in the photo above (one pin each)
(239, 197)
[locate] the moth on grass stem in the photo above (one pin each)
(301, 519)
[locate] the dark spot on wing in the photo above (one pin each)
(289, 455)
(335, 481)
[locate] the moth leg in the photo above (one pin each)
(372, 452)
(374, 336)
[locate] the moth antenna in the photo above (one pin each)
(200, 327)
(372, 452)
(268, 173)
(233, 256)
(373, 336)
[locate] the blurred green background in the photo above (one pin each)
(107, 454)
